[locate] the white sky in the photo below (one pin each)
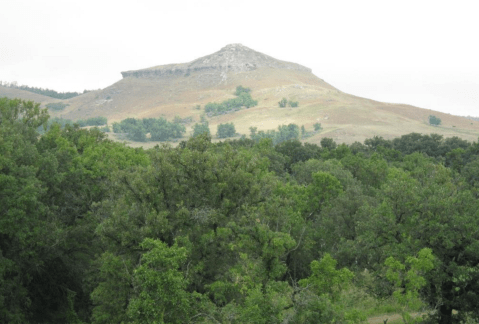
(423, 53)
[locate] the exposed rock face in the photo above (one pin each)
(231, 58)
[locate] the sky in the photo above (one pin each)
(423, 53)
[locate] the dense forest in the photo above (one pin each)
(240, 231)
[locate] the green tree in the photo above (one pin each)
(202, 128)
(241, 89)
(408, 282)
(160, 294)
(293, 104)
(226, 130)
(282, 103)
(435, 121)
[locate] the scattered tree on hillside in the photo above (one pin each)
(241, 89)
(293, 104)
(201, 128)
(282, 103)
(435, 121)
(226, 130)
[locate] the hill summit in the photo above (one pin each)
(231, 58)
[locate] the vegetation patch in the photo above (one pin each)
(57, 106)
(243, 100)
(434, 121)
(226, 130)
(285, 102)
(159, 129)
(243, 231)
(93, 121)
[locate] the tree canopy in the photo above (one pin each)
(245, 231)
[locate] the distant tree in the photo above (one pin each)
(202, 128)
(303, 131)
(57, 106)
(434, 121)
(317, 127)
(226, 130)
(137, 134)
(241, 89)
(283, 102)
(116, 127)
(293, 104)
(328, 143)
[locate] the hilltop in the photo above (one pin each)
(177, 89)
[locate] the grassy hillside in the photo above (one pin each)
(345, 118)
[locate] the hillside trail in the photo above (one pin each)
(389, 318)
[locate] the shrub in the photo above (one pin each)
(241, 89)
(435, 121)
(293, 104)
(57, 106)
(105, 129)
(226, 130)
(202, 128)
(283, 102)
(317, 127)
(93, 121)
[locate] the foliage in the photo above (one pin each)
(317, 127)
(160, 296)
(93, 121)
(202, 128)
(260, 230)
(57, 106)
(226, 130)
(435, 121)
(284, 133)
(409, 282)
(243, 99)
(241, 89)
(282, 103)
(159, 128)
(293, 104)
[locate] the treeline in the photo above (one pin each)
(93, 121)
(42, 91)
(245, 231)
(159, 129)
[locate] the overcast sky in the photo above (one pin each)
(423, 53)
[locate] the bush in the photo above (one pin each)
(284, 133)
(226, 130)
(283, 103)
(159, 128)
(94, 121)
(293, 104)
(317, 127)
(241, 89)
(57, 106)
(202, 128)
(105, 129)
(434, 121)
(243, 100)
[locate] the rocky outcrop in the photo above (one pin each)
(231, 58)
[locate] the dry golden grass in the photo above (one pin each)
(344, 117)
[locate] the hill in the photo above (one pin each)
(177, 89)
